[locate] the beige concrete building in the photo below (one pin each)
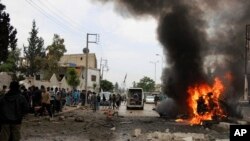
(77, 61)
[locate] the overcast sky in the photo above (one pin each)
(128, 44)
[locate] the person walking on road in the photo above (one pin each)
(98, 100)
(13, 107)
(114, 101)
(156, 99)
(94, 101)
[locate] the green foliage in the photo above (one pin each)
(72, 77)
(20, 78)
(34, 52)
(106, 85)
(55, 52)
(8, 39)
(57, 48)
(10, 65)
(147, 84)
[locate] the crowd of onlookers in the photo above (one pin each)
(51, 100)
(16, 101)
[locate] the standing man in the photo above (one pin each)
(3, 91)
(98, 100)
(52, 100)
(156, 99)
(83, 96)
(13, 106)
(94, 101)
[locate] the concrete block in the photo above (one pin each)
(186, 135)
(224, 125)
(222, 140)
(137, 132)
(242, 122)
(188, 139)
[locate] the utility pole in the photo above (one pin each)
(246, 62)
(103, 64)
(86, 51)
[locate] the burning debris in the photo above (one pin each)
(190, 31)
(204, 102)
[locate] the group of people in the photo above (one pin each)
(112, 102)
(16, 101)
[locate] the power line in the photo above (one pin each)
(39, 9)
(59, 17)
(41, 12)
(77, 24)
(55, 18)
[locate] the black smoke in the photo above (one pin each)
(189, 30)
(183, 41)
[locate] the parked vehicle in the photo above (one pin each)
(135, 98)
(149, 99)
(167, 108)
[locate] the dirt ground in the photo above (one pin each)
(82, 124)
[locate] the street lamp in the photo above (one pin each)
(86, 51)
(161, 60)
(155, 62)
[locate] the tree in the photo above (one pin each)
(147, 84)
(10, 65)
(72, 77)
(8, 39)
(55, 52)
(34, 52)
(106, 85)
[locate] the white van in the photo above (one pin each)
(135, 98)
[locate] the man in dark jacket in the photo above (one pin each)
(13, 106)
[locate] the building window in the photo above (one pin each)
(61, 76)
(38, 77)
(93, 78)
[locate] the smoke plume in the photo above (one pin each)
(190, 30)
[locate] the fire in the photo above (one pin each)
(204, 101)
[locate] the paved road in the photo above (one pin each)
(147, 112)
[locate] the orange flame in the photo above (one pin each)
(210, 96)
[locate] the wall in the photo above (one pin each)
(53, 82)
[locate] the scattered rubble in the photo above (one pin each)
(85, 125)
(137, 132)
(79, 119)
(61, 118)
